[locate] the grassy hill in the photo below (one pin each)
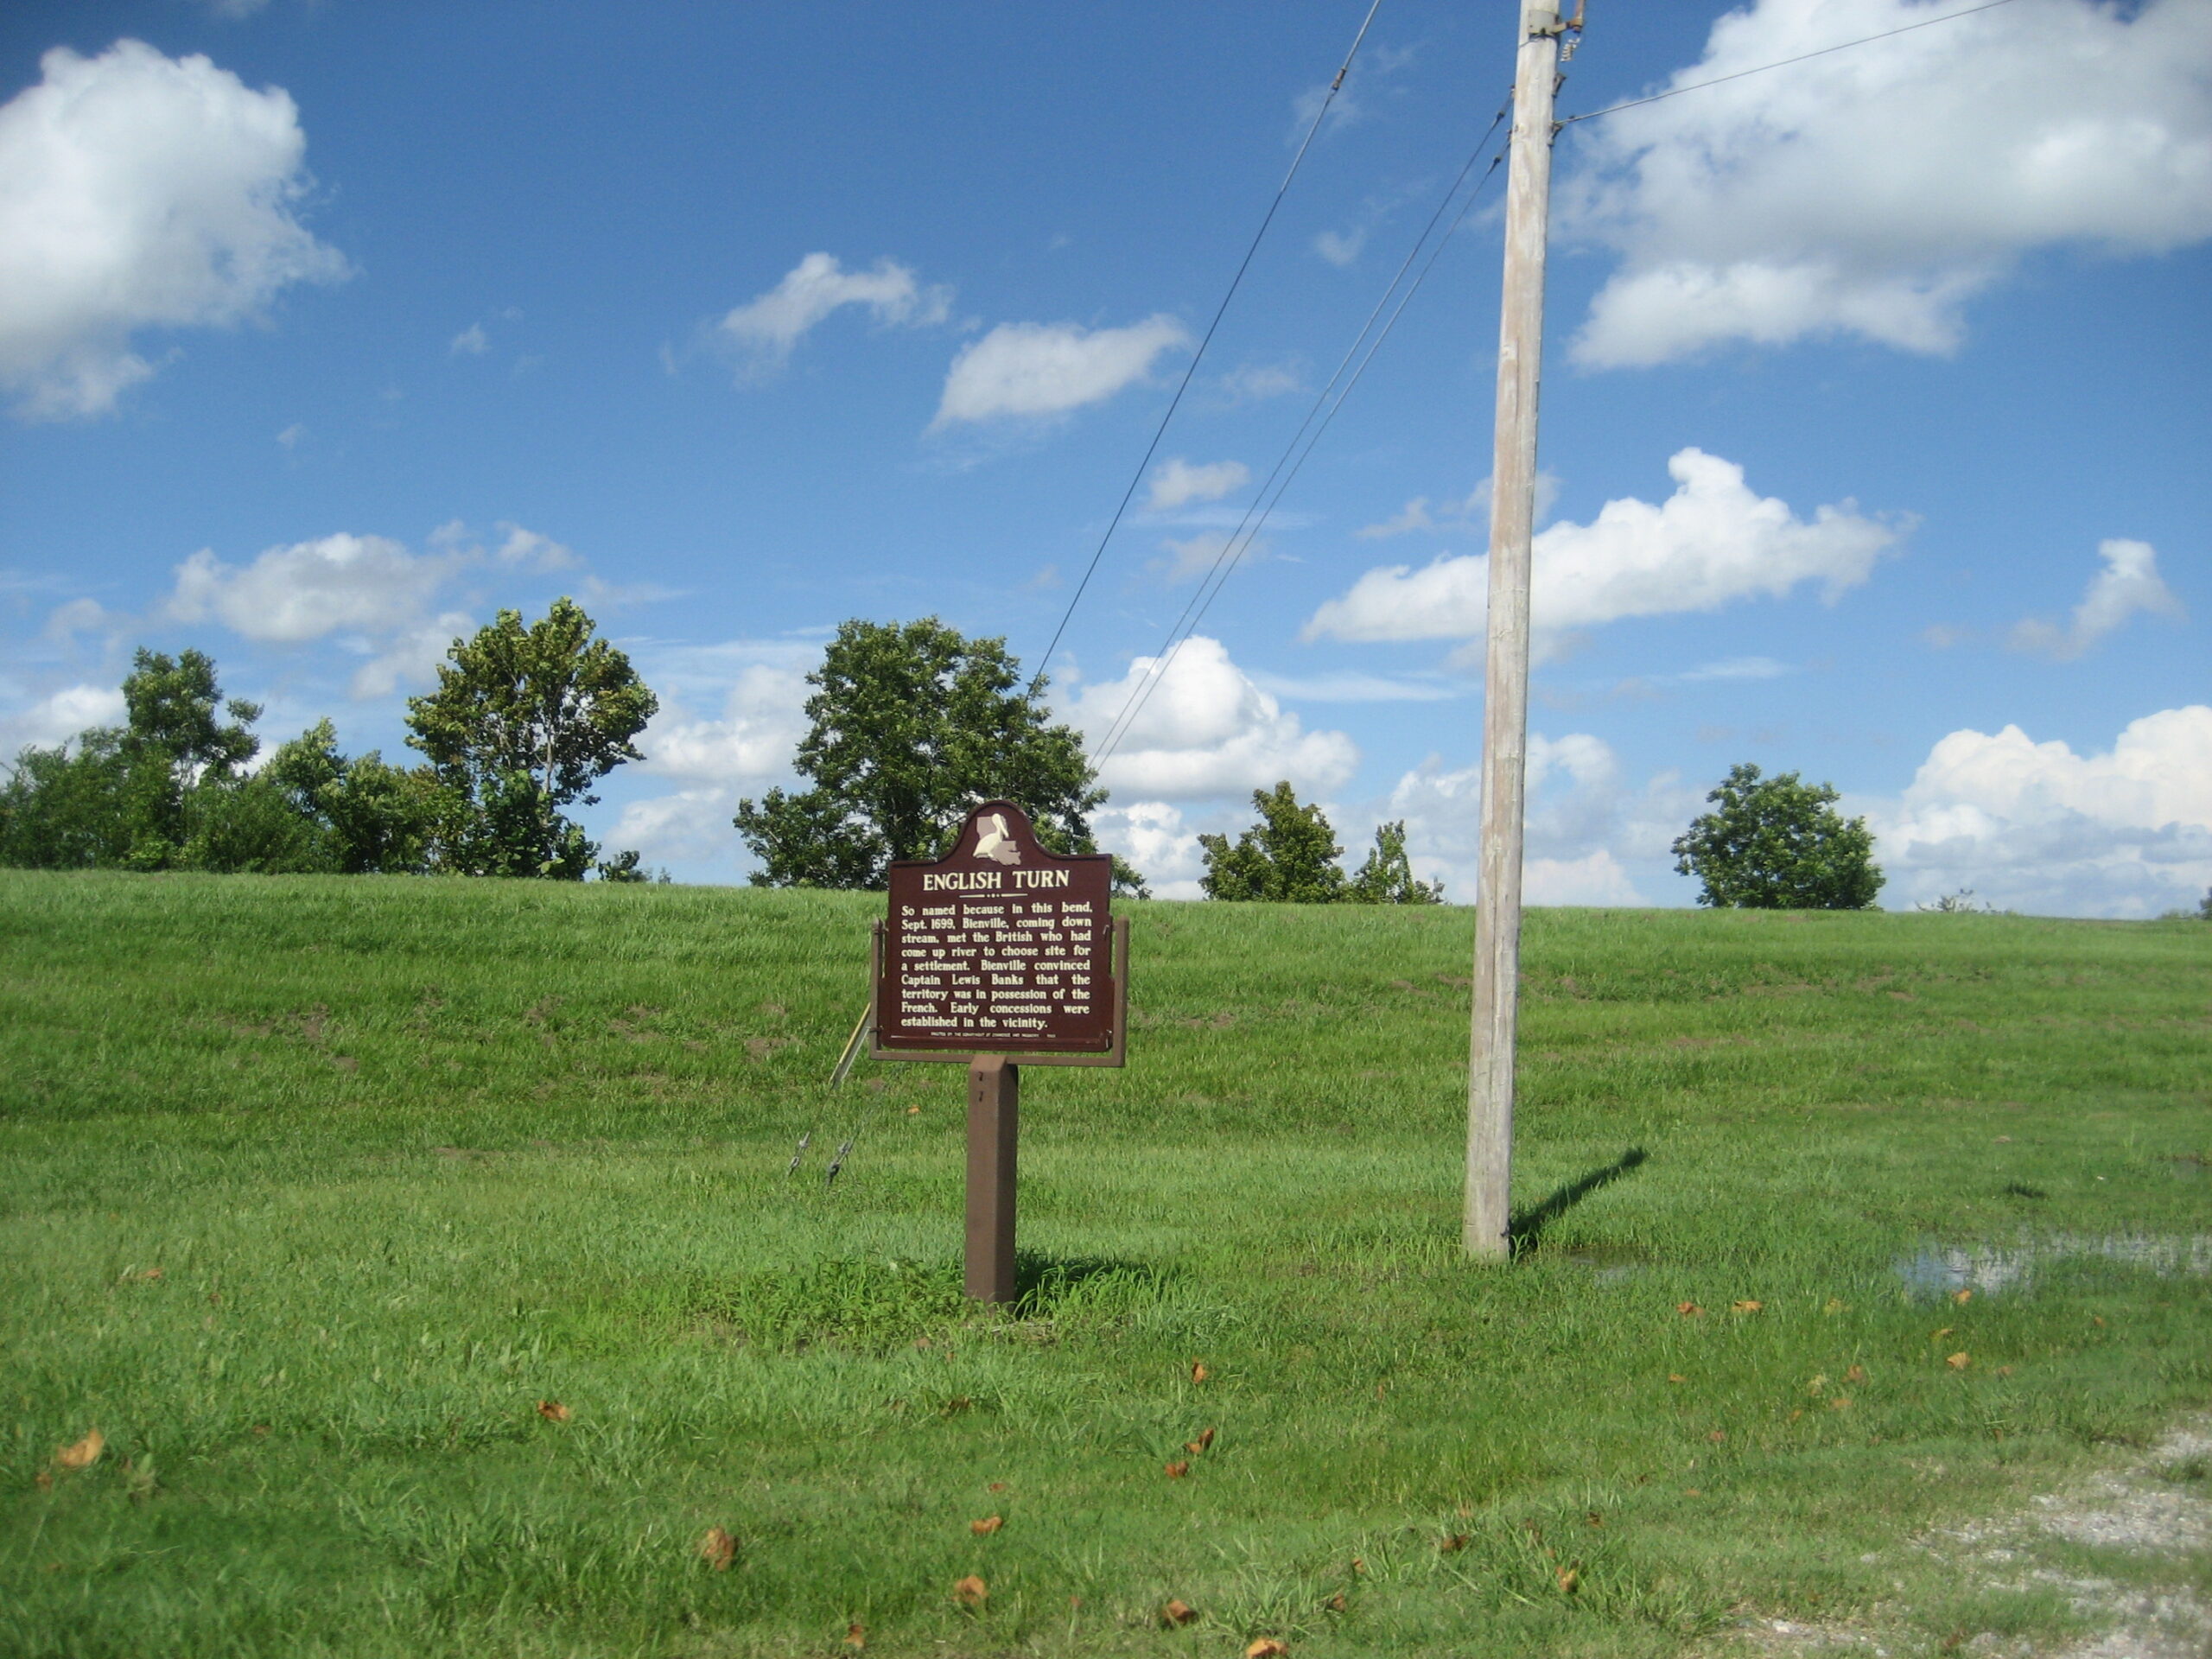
(312, 1190)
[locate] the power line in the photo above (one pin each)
(1175, 402)
(1784, 63)
(1264, 502)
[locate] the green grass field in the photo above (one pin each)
(311, 1189)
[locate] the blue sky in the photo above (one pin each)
(1875, 408)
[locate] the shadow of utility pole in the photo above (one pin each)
(1527, 1227)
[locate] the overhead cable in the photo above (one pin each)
(1784, 63)
(1293, 458)
(1244, 264)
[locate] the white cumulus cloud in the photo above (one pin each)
(2128, 583)
(1206, 731)
(367, 583)
(2037, 827)
(763, 717)
(56, 718)
(768, 328)
(1036, 370)
(1177, 483)
(1154, 838)
(1710, 543)
(1872, 192)
(761, 688)
(138, 192)
(380, 600)
(1585, 823)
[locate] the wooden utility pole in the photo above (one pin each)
(1505, 704)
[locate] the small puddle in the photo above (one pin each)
(1607, 1268)
(1992, 1269)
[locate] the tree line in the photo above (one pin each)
(909, 725)
(524, 720)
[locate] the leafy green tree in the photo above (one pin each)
(371, 817)
(524, 721)
(63, 810)
(1387, 877)
(173, 741)
(1287, 857)
(120, 799)
(1776, 843)
(910, 725)
(250, 826)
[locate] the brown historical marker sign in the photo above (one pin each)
(1002, 955)
(998, 947)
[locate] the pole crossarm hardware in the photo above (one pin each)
(1505, 700)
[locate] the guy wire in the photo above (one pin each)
(1174, 403)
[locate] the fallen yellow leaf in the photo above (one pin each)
(1959, 1361)
(1856, 1374)
(718, 1549)
(971, 1591)
(856, 1635)
(1570, 1578)
(1747, 1306)
(1199, 1372)
(1963, 1297)
(1266, 1648)
(1178, 1468)
(553, 1411)
(85, 1453)
(1688, 1310)
(1452, 1543)
(987, 1526)
(1177, 1613)
(1201, 1443)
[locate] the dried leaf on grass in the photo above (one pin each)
(1570, 1578)
(1856, 1374)
(1266, 1648)
(1199, 1372)
(1199, 1445)
(1178, 1613)
(971, 1591)
(1960, 1361)
(718, 1549)
(1688, 1310)
(85, 1453)
(1963, 1297)
(1747, 1306)
(1178, 1468)
(856, 1635)
(553, 1411)
(987, 1526)
(1452, 1543)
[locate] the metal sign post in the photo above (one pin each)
(1000, 954)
